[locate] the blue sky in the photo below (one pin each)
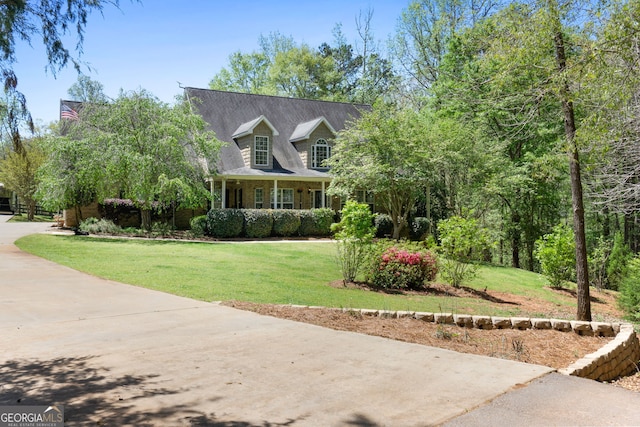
(157, 43)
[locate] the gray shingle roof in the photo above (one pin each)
(303, 130)
(247, 128)
(232, 113)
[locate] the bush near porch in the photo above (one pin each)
(260, 223)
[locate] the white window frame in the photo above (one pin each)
(262, 151)
(316, 162)
(217, 198)
(327, 199)
(283, 202)
(259, 198)
(366, 196)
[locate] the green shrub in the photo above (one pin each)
(384, 225)
(225, 223)
(598, 260)
(258, 223)
(285, 222)
(162, 229)
(419, 228)
(354, 233)
(323, 218)
(400, 267)
(99, 226)
(462, 242)
(618, 261)
(629, 298)
(556, 253)
(198, 225)
(134, 231)
(315, 222)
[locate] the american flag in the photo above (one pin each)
(67, 112)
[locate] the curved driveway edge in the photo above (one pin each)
(115, 354)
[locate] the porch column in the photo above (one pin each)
(323, 203)
(275, 194)
(223, 195)
(213, 192)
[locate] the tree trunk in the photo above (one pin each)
(428, 209)
(31, 209)
(582, 271)
(145, 219)
(530, 246)
(515, 239)
(606, 224)
(78, 215)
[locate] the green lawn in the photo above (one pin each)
(274, 272)
(37, 218)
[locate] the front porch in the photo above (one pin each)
(297, 192)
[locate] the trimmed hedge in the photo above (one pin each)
(199, 225)
(323, 217)
(285, 222)
(261, 223)
(258, 223)
(316, 222)
(225, 223)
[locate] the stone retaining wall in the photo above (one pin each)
(617, 358)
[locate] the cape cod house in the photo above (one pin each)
(275, 148)
(273, 153)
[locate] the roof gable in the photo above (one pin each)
(248, 127)
(230, 114)
(304, 130)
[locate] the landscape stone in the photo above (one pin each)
(425, 317)
(602, 329)
(501, 322)
(561, 325)
(443, 318)
(482, 322)
(401, 314)
(520, 323)
(541, 323)
(463, 320)
(581, 327)
(368, 312)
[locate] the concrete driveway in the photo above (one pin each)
(117, 355)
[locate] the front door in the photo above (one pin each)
(238, 198)
(317, 199)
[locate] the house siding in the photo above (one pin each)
(304, 147)
(246, 155)
(246, 146)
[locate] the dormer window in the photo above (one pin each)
(321, 151)
(255, 139)
(261, 150)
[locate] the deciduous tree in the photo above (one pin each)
(86, 89)
(18, 171)
(387, 152)
(137, 148)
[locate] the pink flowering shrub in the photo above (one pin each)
(403, 269)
